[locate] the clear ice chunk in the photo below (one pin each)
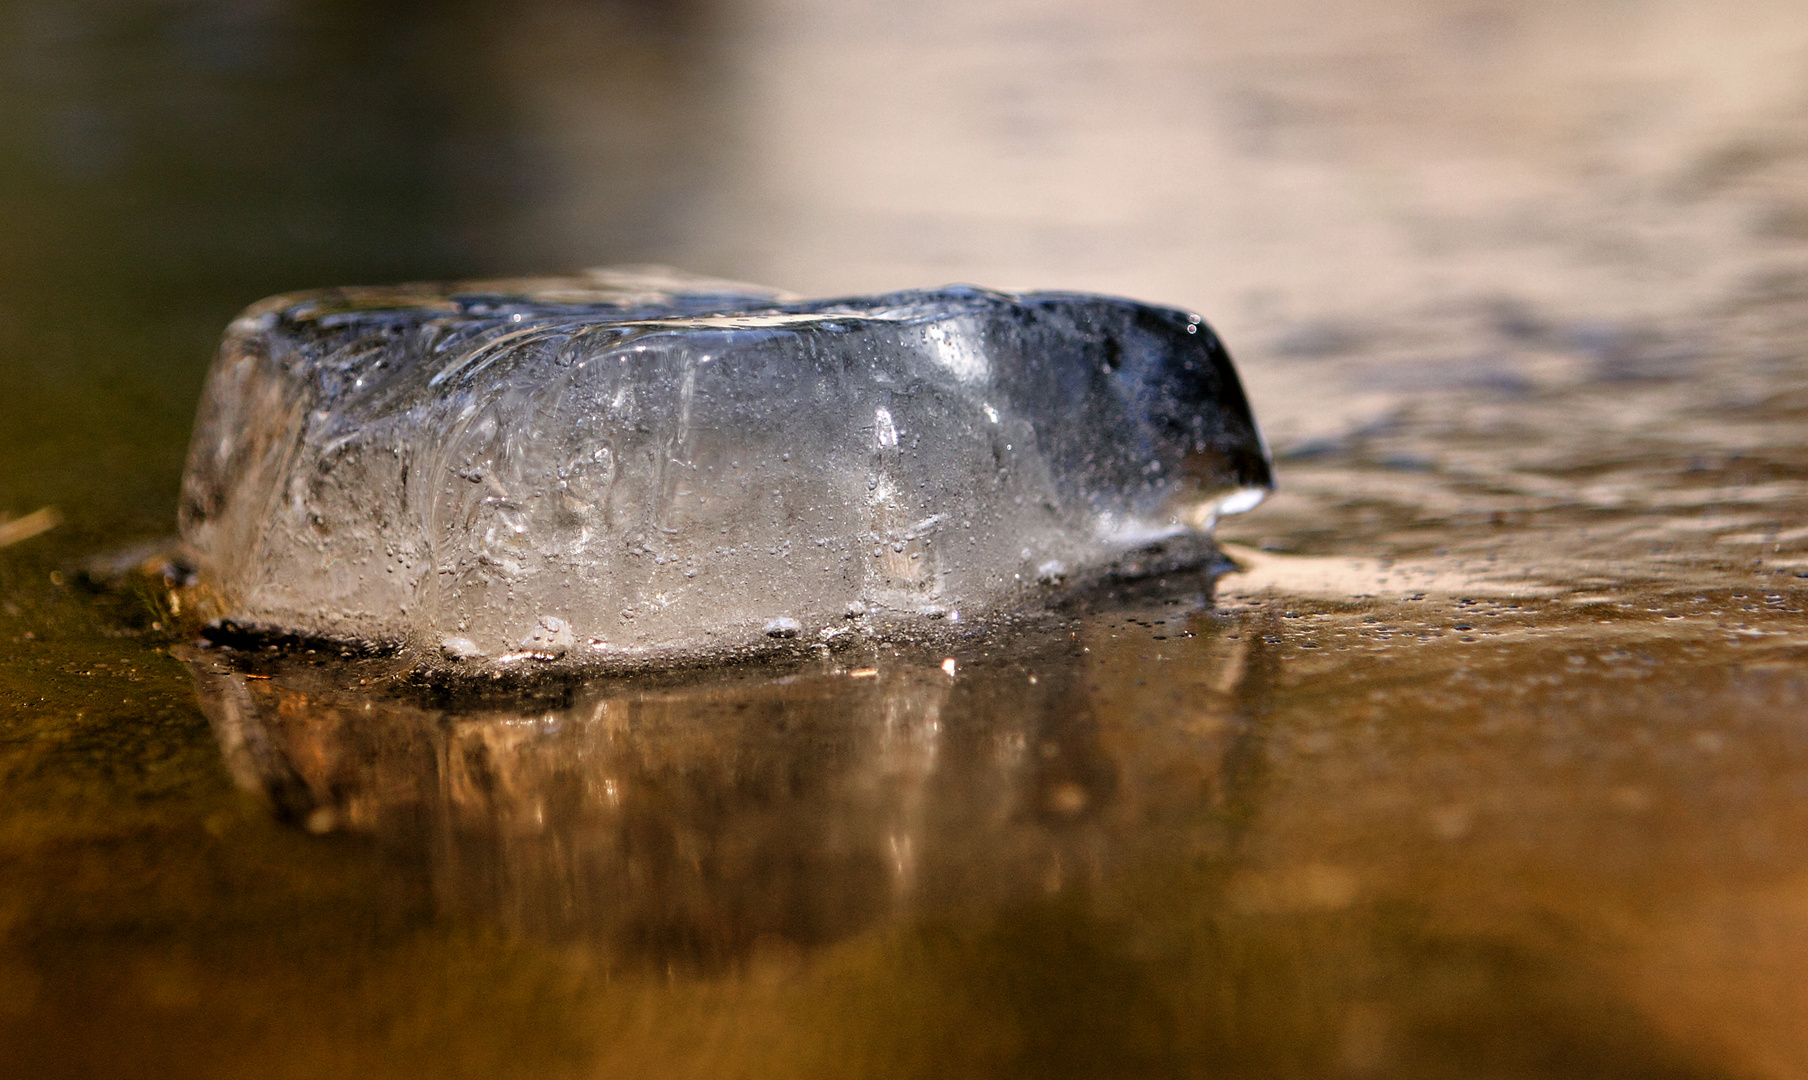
(616, 467)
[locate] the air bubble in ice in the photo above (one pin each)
(458, 648)
(550, 638)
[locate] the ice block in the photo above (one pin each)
(612, 467)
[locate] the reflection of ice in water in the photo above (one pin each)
(682, 822)
(613, 469)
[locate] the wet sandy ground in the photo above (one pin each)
(1489, 762)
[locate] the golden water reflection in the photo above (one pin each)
(1427, 836)
(688, 820)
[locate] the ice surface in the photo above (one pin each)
(612, 467)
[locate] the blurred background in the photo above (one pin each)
(1325, 183)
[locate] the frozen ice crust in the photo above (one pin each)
(612, 468)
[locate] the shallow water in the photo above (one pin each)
(1489, 762)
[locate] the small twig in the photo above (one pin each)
(38, 521)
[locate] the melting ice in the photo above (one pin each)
(612, 467)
